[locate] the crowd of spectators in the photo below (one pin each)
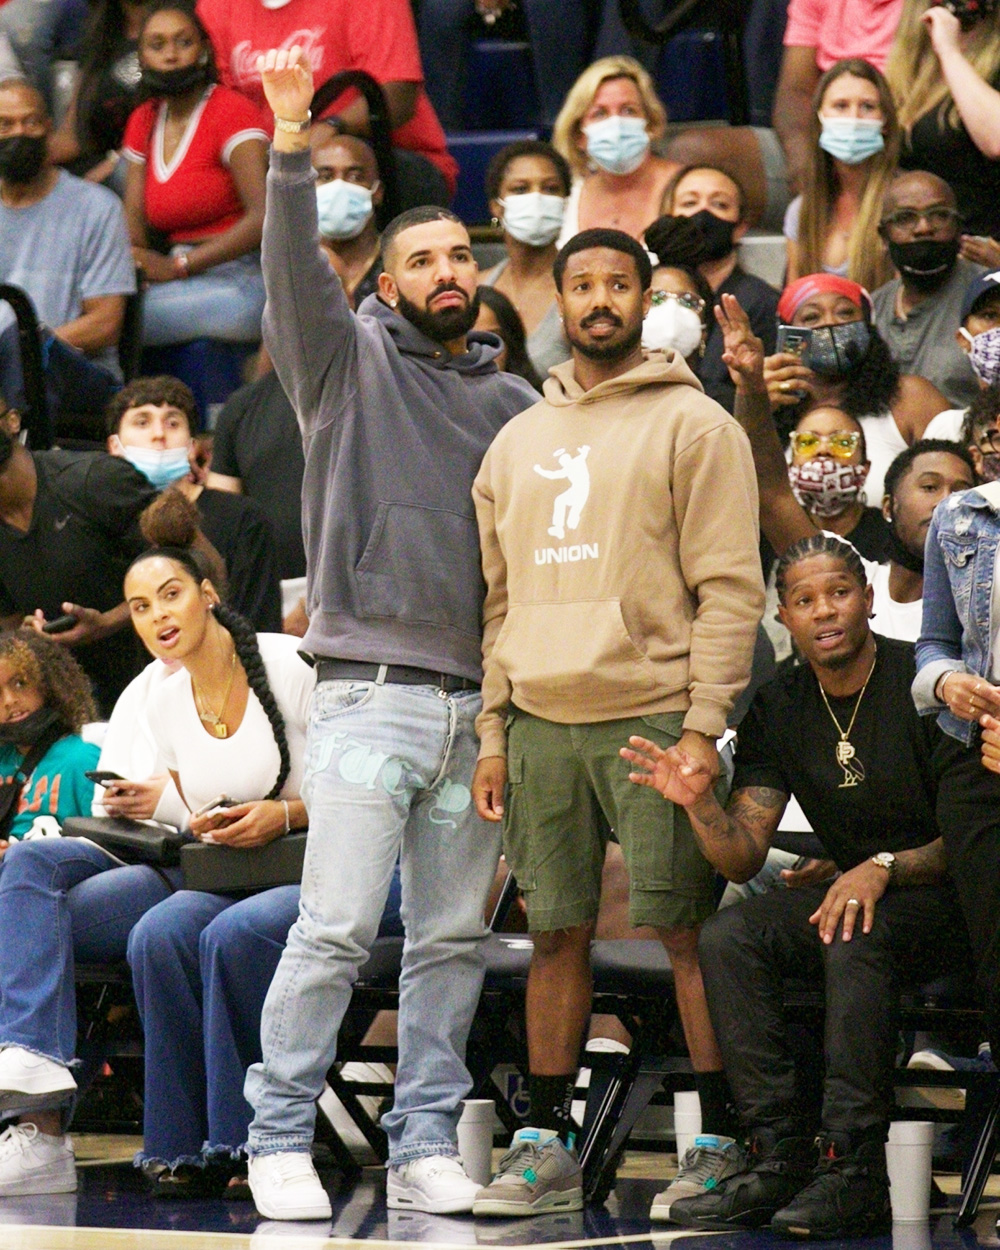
(495, 560)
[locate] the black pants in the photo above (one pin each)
(749, 951)
(969, 816)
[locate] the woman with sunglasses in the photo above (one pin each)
(678, 318)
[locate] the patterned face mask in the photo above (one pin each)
(984, 354)
(824, 486)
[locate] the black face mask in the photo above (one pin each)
(718, 234)
(26, 732)
(174, 81)
(899, 554)
(22, 157)
(925, 264)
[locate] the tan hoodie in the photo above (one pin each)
(619, 530)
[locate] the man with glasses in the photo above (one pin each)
(917, 312)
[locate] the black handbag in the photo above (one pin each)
(131, 841)
(10, 791)
(221, 869)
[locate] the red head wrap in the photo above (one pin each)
(795, 295)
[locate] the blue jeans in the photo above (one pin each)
(224, 303)
(61, 900)
(387, 774)
(201, 966)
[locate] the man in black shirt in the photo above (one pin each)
(839, 732)
(69, 528)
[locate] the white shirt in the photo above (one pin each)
(245, 765)
(895, 620)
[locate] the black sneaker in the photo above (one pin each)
(777, 1168)
(848, 1196)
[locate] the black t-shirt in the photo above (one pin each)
(871, 536)
(257, 439)
(760, 302)
(240, 533)
(949, 152)
(84, 533)
(788, 742)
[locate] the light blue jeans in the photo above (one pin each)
(225, 303)
(387, 773)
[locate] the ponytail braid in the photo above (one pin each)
(245, 642)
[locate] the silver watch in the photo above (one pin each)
(886, 860)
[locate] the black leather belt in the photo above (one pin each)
(391, 674)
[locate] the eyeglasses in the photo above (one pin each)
(905, 220)
(989, 440)
(842, 444)
(686, 300)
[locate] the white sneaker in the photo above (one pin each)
(35, 1163)
(30, 1080)
(436, 1184)
(285, 1187)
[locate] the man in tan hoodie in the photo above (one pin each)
(619, 527)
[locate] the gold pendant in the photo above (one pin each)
(220, 730)
(854, 770)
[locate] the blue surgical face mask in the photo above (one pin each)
(851, 139)
(161, 467)
(617, 144)
(344, 208)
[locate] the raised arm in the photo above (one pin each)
(735, 840)
(977, 102)
(782, 517)
(308, 325)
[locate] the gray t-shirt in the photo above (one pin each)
(70, 246)
(924, 341)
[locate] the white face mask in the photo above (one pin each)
(343, 209)
(533, 218)
(669, 325)
(617, 144)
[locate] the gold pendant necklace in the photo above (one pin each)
(854, 770)
(205, 713)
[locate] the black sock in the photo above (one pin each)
(551, 1104)
(718, 1115)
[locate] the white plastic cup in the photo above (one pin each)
(908, 1160)
(915, 1236)
(687, 1120)
(475, 1139)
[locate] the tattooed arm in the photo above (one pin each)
(922, 866)
(734, 840)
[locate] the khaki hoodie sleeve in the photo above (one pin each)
(716, 509)
(496, 687)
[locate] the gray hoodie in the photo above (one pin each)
(394, 430)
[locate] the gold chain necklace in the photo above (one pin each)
(206, 714)
(854, 770)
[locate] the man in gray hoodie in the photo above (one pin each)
(397, 407)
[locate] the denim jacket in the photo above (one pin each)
(956, 632)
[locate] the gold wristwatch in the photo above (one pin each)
(886, 860)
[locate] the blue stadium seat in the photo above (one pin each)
(213, 370)
(473, 151)
(691, 77)
(500, 87)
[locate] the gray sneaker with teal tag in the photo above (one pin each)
(710, 1160)
(538, 1173)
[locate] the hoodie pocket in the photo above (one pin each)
(422, 565)
(580, 651)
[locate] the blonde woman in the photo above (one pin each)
(833, 225)
(944, 71)
(605, 130)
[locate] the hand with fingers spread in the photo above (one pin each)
(680, 776)
(967, 696)
(742, 351)
(853, 894)
(287, 79)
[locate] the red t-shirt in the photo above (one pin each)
(194, 196)
(374, 35)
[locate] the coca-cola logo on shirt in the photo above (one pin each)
(244, 58)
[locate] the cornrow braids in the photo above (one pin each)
(248, 653)
(819, 544)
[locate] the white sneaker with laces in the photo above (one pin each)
(30, 1080)
(35, 1163)
(285, 1187)
(436, 1184)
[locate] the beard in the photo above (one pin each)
(444, 326)
(611, 350)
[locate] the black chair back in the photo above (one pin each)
(36, 420)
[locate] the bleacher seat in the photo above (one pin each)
(690, 76)
(500, 87)
(212, 370)
(473, 151)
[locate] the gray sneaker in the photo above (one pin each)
(709, 1161)
(536, 1174)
